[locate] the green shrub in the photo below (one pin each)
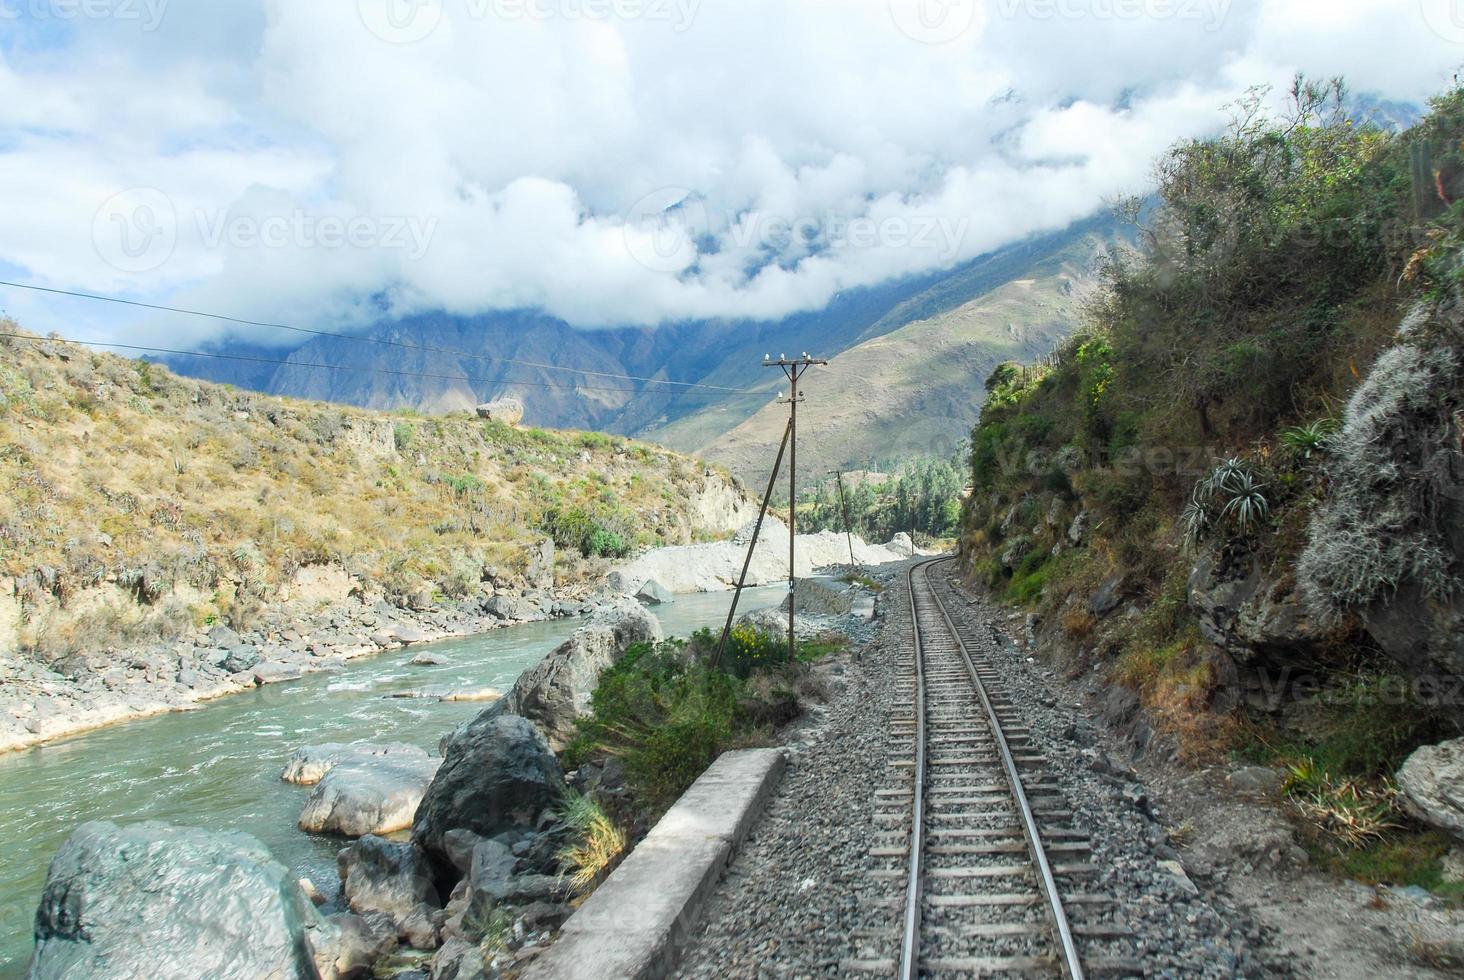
(593, 534)
(595, 440)
(463, 485)
(666, 716)
(750, 650)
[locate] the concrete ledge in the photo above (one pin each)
(633, 926)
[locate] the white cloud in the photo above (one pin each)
(313, 169)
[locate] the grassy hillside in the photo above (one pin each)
(914, 390)
(1263, 459)
(198, 502)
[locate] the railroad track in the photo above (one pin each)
(988, 875)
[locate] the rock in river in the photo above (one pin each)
(165, 902)
(497, 774)
(377, 797)
(653, 593)
(272, 672)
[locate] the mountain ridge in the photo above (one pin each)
(555, 368)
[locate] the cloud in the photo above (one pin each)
(610, 161)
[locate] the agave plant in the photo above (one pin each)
(1305, 441)
(1230, 494)
(1245, 505)
(1197, 519)
(1224, 475)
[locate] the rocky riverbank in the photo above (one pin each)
(329, 618)
(327, 621)
(479, 887)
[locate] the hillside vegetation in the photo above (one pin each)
(1236, 490)
(922, 498)
(136, 505)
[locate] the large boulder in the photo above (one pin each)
(1431, 786)
(350, 945)
(653, 593)
(274, 672)
(166, 902)
(1248, 614)
(511, 608)
(309, 764)
(498, 773)
(380, 797)
(509, 411)
(381, 876)
(240, 659)
(557, 691)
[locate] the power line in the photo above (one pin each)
(375, 340)
(107, 345)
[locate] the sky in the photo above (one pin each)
(613, 162)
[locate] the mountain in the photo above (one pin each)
(440, 362)
(916, 389)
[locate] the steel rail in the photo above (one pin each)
(910, 945)
(1071, 963)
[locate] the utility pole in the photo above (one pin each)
(844, 506)
(794, 370)
(751, 547)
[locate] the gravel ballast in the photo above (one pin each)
(800, 899)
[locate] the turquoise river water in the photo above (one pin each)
(218, 767)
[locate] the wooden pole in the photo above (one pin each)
(751, 547)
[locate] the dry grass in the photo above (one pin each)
(1351, 813)
(111, 469)
(1079, 625)
(1442, 955)
(597, 842)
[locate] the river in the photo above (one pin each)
(218, 767)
